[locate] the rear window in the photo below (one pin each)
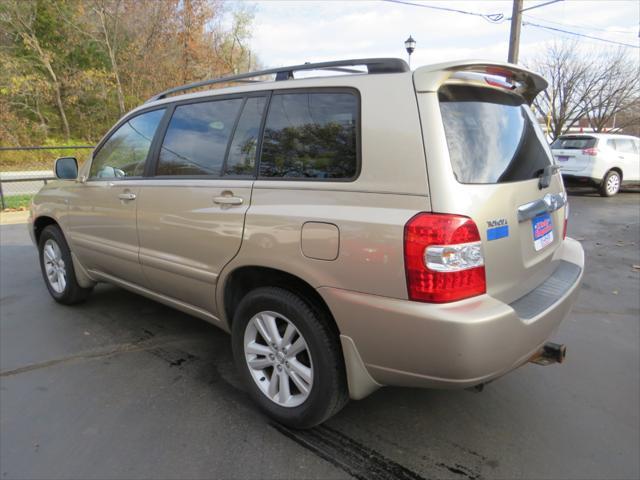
(574, 143)
(492, 136)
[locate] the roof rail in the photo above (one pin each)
(374, 65)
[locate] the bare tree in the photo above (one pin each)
(595, 86)
(615, 92)
(571, 81)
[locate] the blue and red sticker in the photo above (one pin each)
(542, 231)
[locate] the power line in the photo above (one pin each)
(499, 17)
(492, 17)
(577, 25)
(540, 5)
(546, 27)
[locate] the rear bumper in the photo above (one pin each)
(454, 345)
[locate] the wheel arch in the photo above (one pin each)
(245, 278)
(618, 170)
(82, 276)
(42, 222)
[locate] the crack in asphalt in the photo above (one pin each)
(100, 352)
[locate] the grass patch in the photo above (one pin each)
(17, 202)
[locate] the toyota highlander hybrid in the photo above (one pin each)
(378, 226)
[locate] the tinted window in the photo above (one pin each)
(125, 152)
(310, 135)
(573, 143)
(492, 136)
(197, 136)
(625, 145)
(241, 159)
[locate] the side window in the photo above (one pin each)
(310, 135)
(611, 143)
(625, 145)
(197, 137)
(125, 152)
(241, 159)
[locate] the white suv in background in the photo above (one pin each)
(602, 160)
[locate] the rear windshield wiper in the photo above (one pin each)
(546, 174)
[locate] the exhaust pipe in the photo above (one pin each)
(549, 354)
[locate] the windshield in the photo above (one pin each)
(492, 135)
(573, 143)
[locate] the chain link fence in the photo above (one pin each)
(24, 170)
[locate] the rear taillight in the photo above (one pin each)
(566, 220)
(443, 258)
(593, 151)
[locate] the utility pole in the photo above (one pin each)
(514, 37)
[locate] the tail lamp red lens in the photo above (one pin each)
(593, 151)
(443, 258)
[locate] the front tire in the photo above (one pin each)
(611, 184)
(289, 357)
(57, 268)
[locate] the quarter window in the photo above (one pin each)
(197, 137)
(125, 152)
(310, 135)
(626, 145)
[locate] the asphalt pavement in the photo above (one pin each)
(123, 387)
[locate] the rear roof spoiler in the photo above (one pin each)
(525, 82)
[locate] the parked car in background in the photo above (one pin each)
(385, 227)
(602, 160)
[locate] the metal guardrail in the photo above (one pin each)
(32, 172)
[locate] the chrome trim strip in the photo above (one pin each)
(547, 204)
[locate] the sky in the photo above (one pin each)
(293, 32)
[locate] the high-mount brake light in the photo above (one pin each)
(500, 83)
(443, 258)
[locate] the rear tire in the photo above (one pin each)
(296, 375)
(610, 184)
(57, 268)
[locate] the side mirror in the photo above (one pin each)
(66, 168)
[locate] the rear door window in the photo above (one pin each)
(196, 140)
(492, 135)
(311, 135)
(573, 143)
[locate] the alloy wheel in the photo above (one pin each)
(613, 184)
(278, 359)
(54, 266)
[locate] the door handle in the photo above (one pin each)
(127, 196)
(228, 200)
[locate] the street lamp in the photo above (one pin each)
(410, 46)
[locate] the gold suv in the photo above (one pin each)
(378, 226)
